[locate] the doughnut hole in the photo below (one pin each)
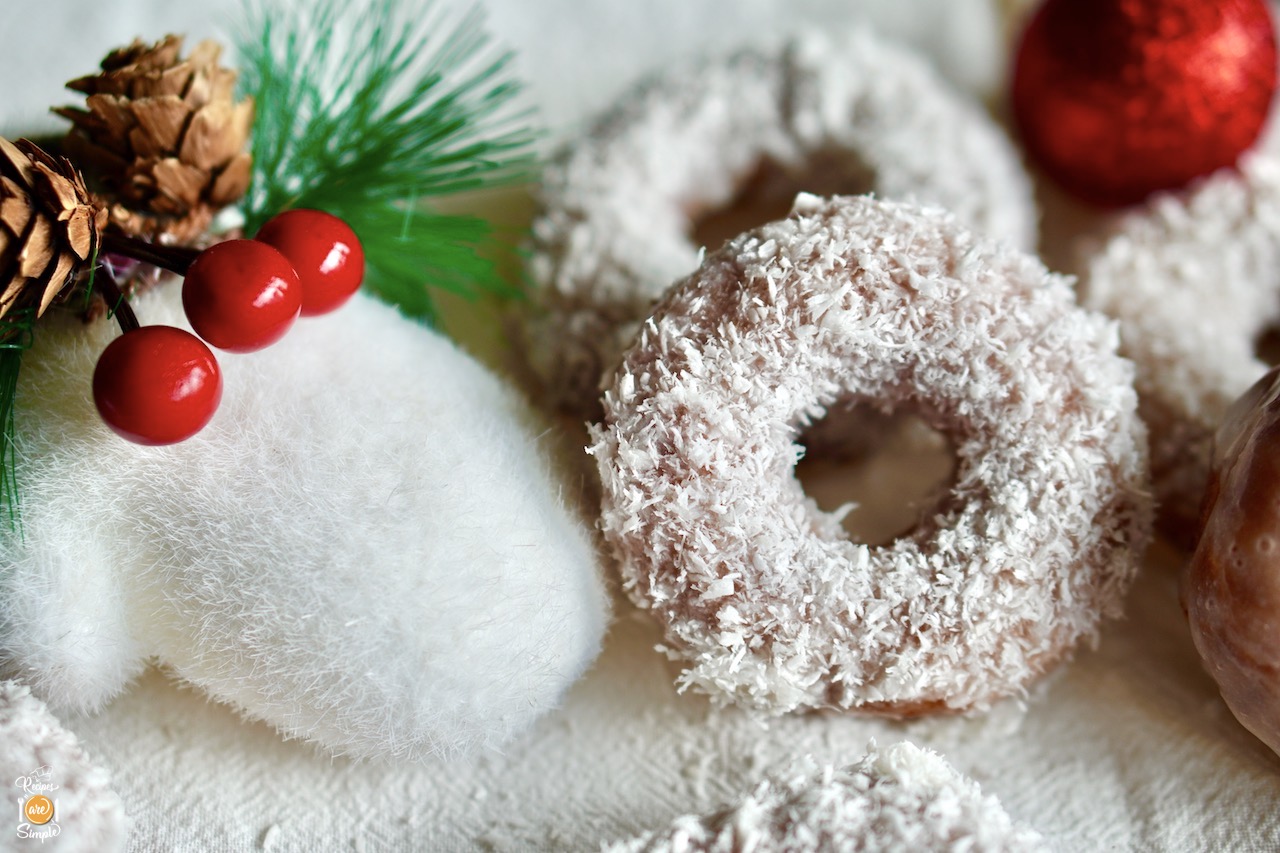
(767, 193)
(1266, 346)
(893, 469)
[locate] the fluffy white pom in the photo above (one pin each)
(365, 547)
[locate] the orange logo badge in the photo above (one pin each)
(38, 810)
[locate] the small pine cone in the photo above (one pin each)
(49, 226)
(163, 137)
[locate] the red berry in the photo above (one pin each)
(325, 252)
(157, 385)
(241, 295)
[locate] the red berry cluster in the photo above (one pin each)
(159, 384)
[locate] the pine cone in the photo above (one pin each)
(163, 136)
(49, 226)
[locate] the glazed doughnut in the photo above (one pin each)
(1194, 280)
(761, 593)
(1232, 593)
(618, 207)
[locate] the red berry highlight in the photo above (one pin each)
(241, 295)
(157, 385)
(325, 252)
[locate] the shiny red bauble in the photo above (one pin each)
(241, 295)
(1116, 99)
(157, 385)
(325, 252)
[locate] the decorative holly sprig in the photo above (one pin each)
(159, 385)
(370, 108)
(367, 109)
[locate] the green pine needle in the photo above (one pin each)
(407, 246)
(365, 105)
(16, 334)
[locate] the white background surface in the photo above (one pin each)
(1128, 748)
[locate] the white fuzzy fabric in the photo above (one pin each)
(763, 594)
(39, 756)
(364, 548)
(903, 798)
(1194, 279)
(618, 206)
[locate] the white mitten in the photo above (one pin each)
(364, 548)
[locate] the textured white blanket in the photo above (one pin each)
(1128, 748)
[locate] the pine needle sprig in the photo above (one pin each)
(16, 336)
(368, 108)
(415, 246)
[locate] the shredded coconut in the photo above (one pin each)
(1192, 278)
(46, 759)
(903, 309)
(902, 798)
(618, 206)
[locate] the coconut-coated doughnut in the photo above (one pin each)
(1194, 280)
(618, 206)
(763, 595)
(901, 798)
(1232, 590)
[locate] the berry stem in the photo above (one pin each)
(175, 259)
(116, 303)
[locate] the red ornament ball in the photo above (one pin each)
(1116, 99)
(325, 252)
(157, 385)
(241, 295)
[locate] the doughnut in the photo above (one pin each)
(899, 798)
(1232, 589)
(89, 814)
(1193, 280)
(618, 207)
(763, 595)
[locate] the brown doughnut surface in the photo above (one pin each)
(1232, 593)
